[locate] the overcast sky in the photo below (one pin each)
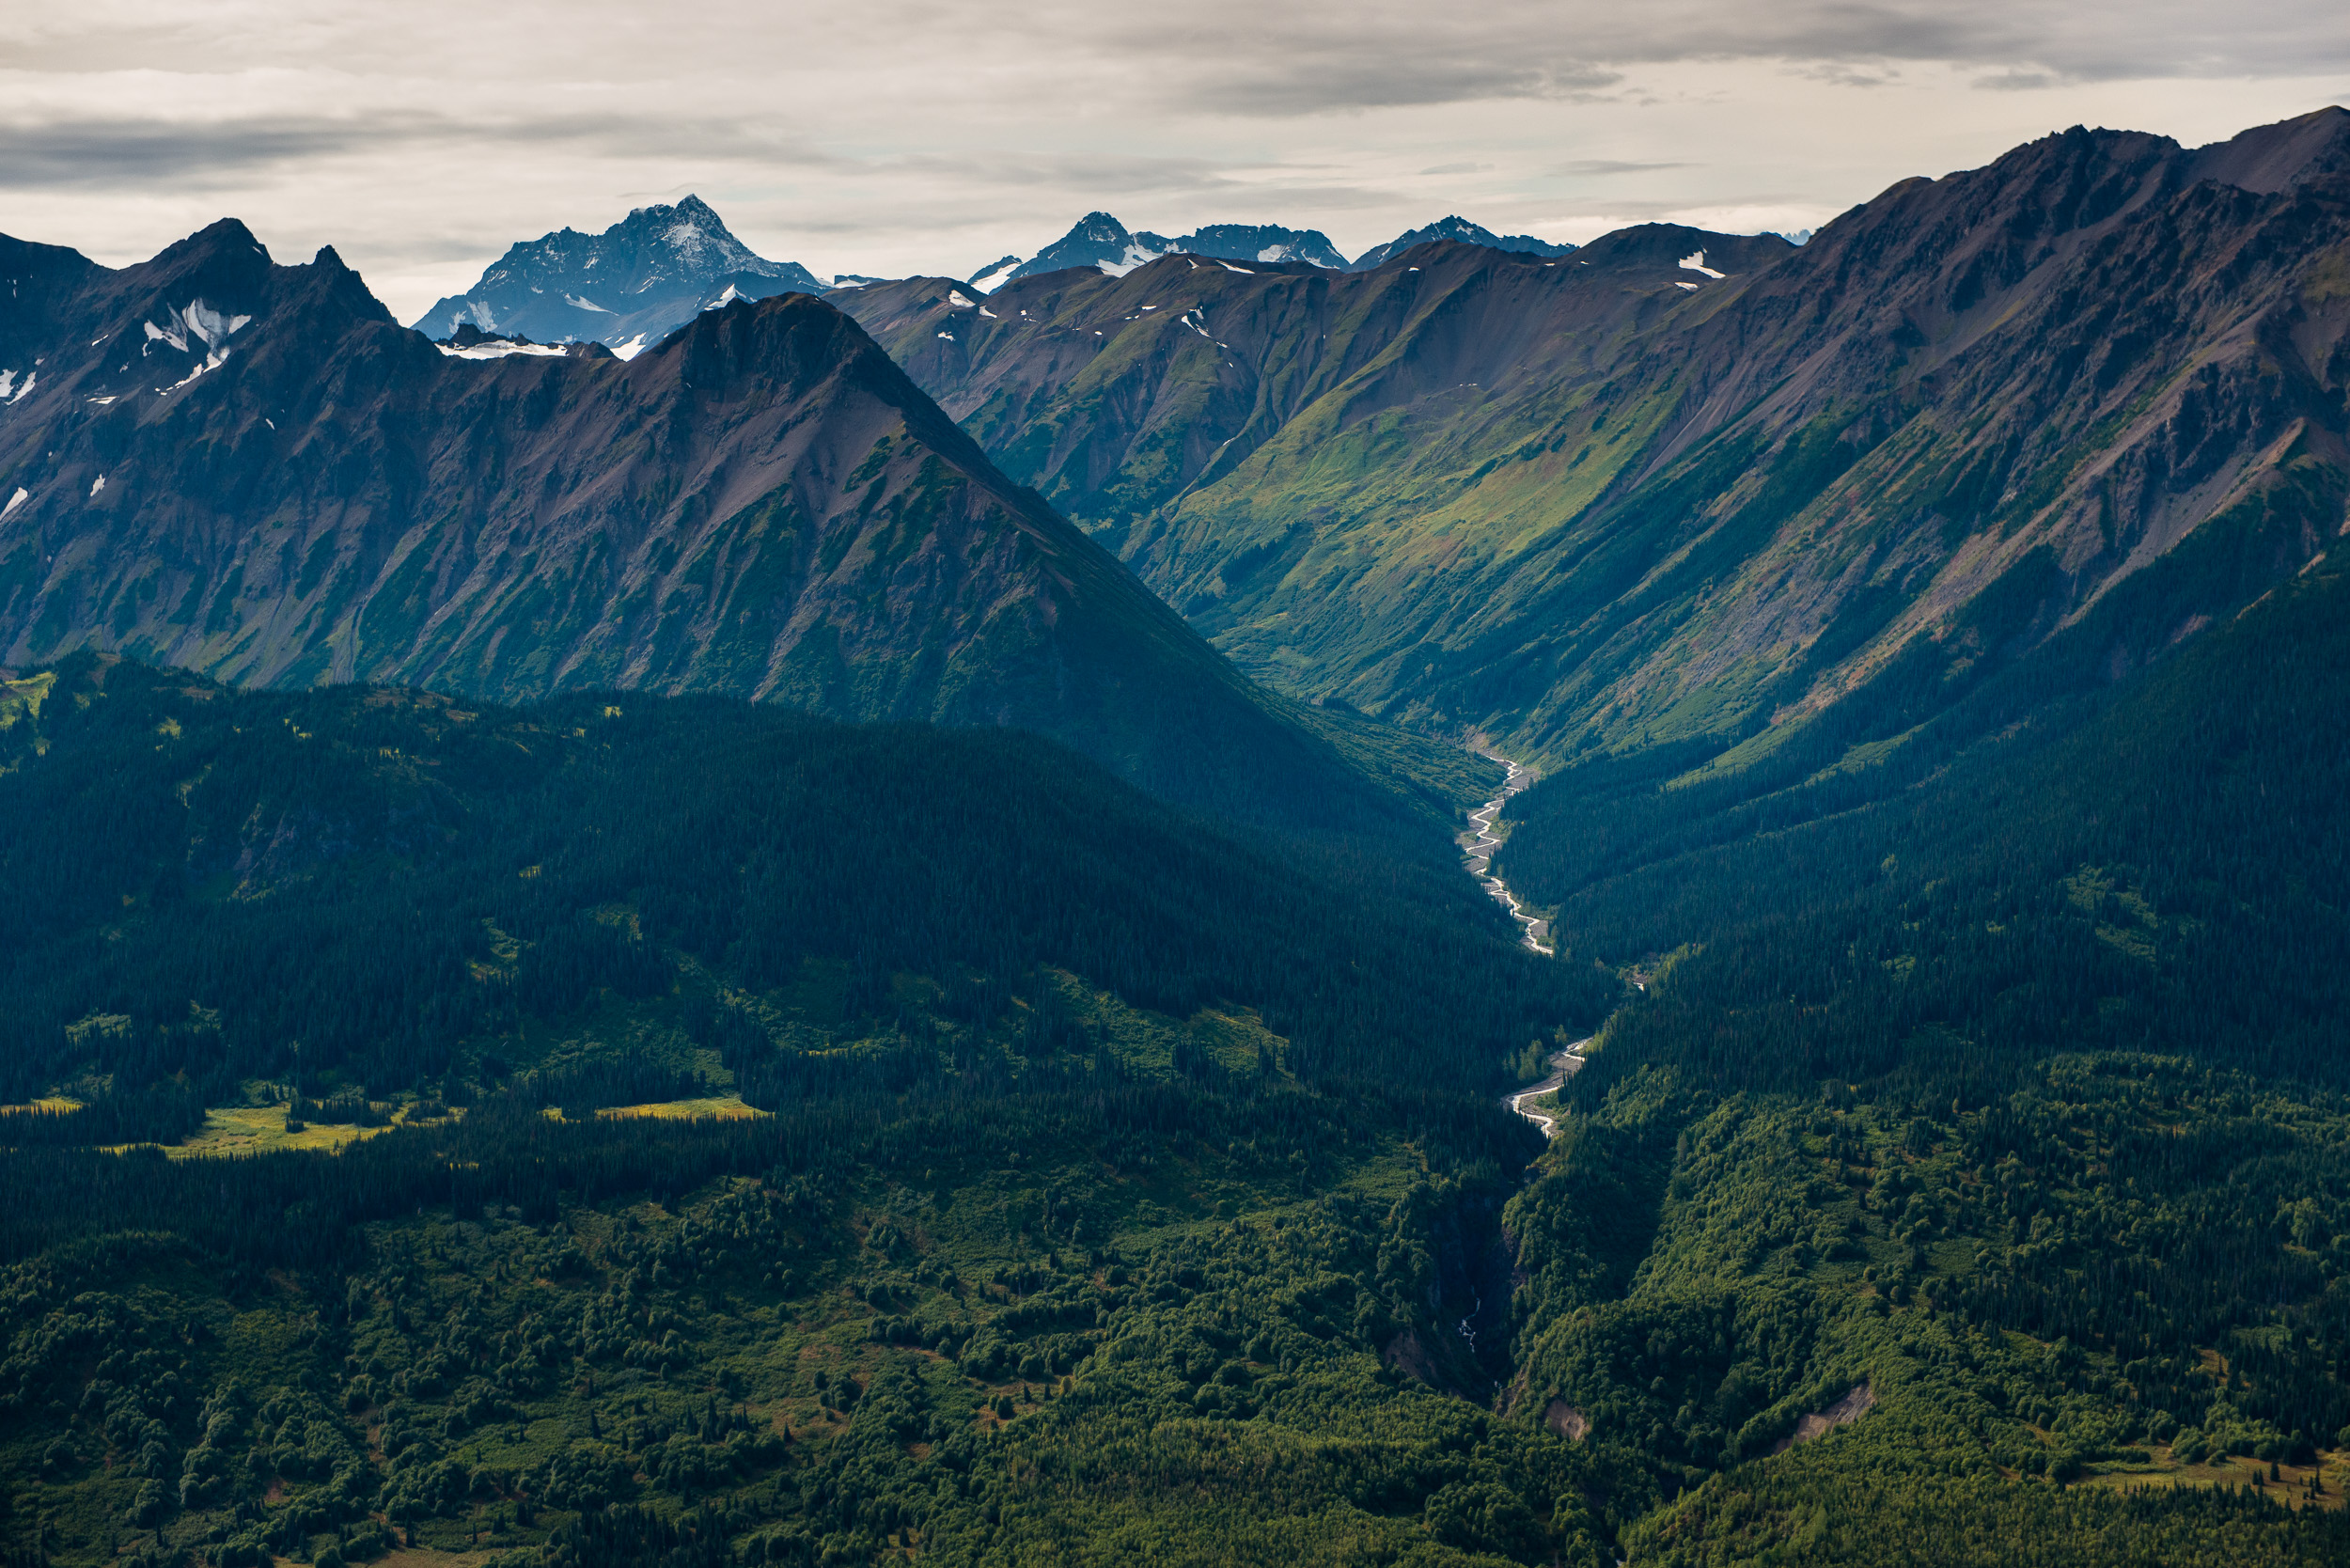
(421, 137)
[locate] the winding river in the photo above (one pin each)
(1480, 849)
(1564, 1065)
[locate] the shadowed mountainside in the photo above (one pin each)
(252, 471)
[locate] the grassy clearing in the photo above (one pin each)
(230, 1130)
(723, 1107)
(253, 1129)
(2289, 1488)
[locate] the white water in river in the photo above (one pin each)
(1564, 1065)
(1481, 848)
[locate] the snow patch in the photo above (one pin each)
(496, 351)
(1688, 285)
(956, 302)
(631, 349)
(30, 377)
(1229, 268)
(101, 402)
(199, 320)
(1696, 263)
(15, 501)
(1135, 256)
(98, 485)
(995, 277)
(577, 303)
(212, 361)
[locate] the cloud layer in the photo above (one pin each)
(906, 135)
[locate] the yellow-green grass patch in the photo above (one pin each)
(723, 1107)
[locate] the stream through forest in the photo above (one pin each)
(1480, 849)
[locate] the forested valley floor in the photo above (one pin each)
(441, 1135)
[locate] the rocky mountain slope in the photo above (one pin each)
(1118, 398)
(1100, 242)
(250, 470)
(1679, 486)
(626, 287)
(1461, 232)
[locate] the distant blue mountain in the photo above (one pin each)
(626, 287)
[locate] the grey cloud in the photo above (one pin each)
(2018, 80)
(1365, 79)
(1390, 54)
(1609, 166)
(99, 152)
(85, 152)
(1457, 168)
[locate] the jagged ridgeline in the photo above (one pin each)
(378, 893)
(249, 470)
(627, 288)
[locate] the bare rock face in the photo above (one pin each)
(1856, 1404)
(1566, 1420)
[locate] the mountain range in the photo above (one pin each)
(1461, 232)
(626, 287)
(1676, 487)
(646, 276)
(250, 470)
(1100, 242)
(1684, 487)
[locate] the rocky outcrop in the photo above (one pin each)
(1566, 1420)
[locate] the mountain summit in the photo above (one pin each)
(1100, 242)
(1460, 231)
(626, 287)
